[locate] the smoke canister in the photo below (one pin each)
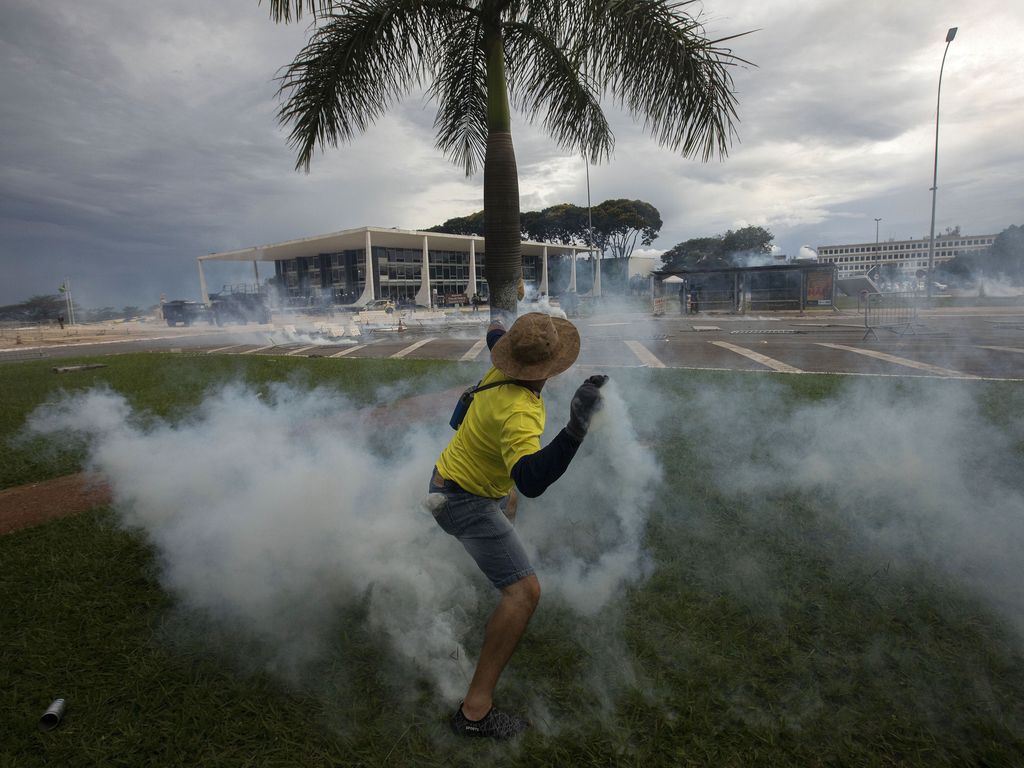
(52, 716)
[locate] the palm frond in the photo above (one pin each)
(460, 89)
(656, 62)
(545, 76)
(292, 10)
(355, 64)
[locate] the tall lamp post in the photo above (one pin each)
(595, 288)
(878, 258)
(935, 168)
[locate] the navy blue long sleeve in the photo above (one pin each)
(534, 473)
(493, 336)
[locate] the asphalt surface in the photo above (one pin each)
(977, 343)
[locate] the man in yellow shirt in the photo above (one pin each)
(495, 451)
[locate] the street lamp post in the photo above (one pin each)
(878, 258)
(595, 288)
(935, 167)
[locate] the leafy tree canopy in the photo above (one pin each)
(1003, 260)
(35, 309)
(718, 250)
(1006, 256)
(618, 225)
(462, 225)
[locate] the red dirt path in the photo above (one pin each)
(35, 503)
(27, 505)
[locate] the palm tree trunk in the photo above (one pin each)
(503, 266)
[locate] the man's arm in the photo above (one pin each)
(494, 332)
(533, 474)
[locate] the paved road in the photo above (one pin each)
(977, 344)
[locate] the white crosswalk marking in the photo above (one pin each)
(257, 349)
(647, 357)
(348, 350)
(223, 349)
(936, 369)
(757, 357)
(474, 351)
(302, 349)
(413, 347)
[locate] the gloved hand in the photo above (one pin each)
(585, 403)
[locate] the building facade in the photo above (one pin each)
(356, 266)
(904, 257)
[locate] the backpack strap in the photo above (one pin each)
(482, 387)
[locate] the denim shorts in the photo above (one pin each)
(489, 537)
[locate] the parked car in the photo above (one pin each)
(378, 305)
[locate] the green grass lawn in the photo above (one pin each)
(169, 386)
(813, 657)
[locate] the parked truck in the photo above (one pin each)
(181, 312)
(239, 304)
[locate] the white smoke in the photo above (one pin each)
(271, 514)
(917, 473)
(1001, 288)
(750, 259)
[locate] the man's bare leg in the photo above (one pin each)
(504, 628)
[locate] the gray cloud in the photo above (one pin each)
(138, 137)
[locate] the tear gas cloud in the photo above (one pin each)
(273, 513)
(914, 470)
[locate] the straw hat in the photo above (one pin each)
(537, 346)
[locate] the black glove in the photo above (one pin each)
(585, 403)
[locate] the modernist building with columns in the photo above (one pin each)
(906, 256)
(356, 266)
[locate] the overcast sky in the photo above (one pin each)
(137, 136)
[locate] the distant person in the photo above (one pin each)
(60, 321)
(495, 453)
(694, 301)
(682, 300)
(476, 302)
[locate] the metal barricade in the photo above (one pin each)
(896, 312)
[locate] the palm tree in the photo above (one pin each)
(554, 58)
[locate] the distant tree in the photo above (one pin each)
(1005, 257)
(462, 225)
(35, 309)
(1003, 260)
(563, 223)
(100, 314)
(718, 251)
(619, 224)
(747, 240)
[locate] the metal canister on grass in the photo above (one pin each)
(52, 716)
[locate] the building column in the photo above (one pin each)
(572, 271)
(256, 270)
(202, 283)
(544, 271)
(368, 293)
(471, 285)
(596, 292)
(423, 294)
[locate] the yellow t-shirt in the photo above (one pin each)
(503, 424)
